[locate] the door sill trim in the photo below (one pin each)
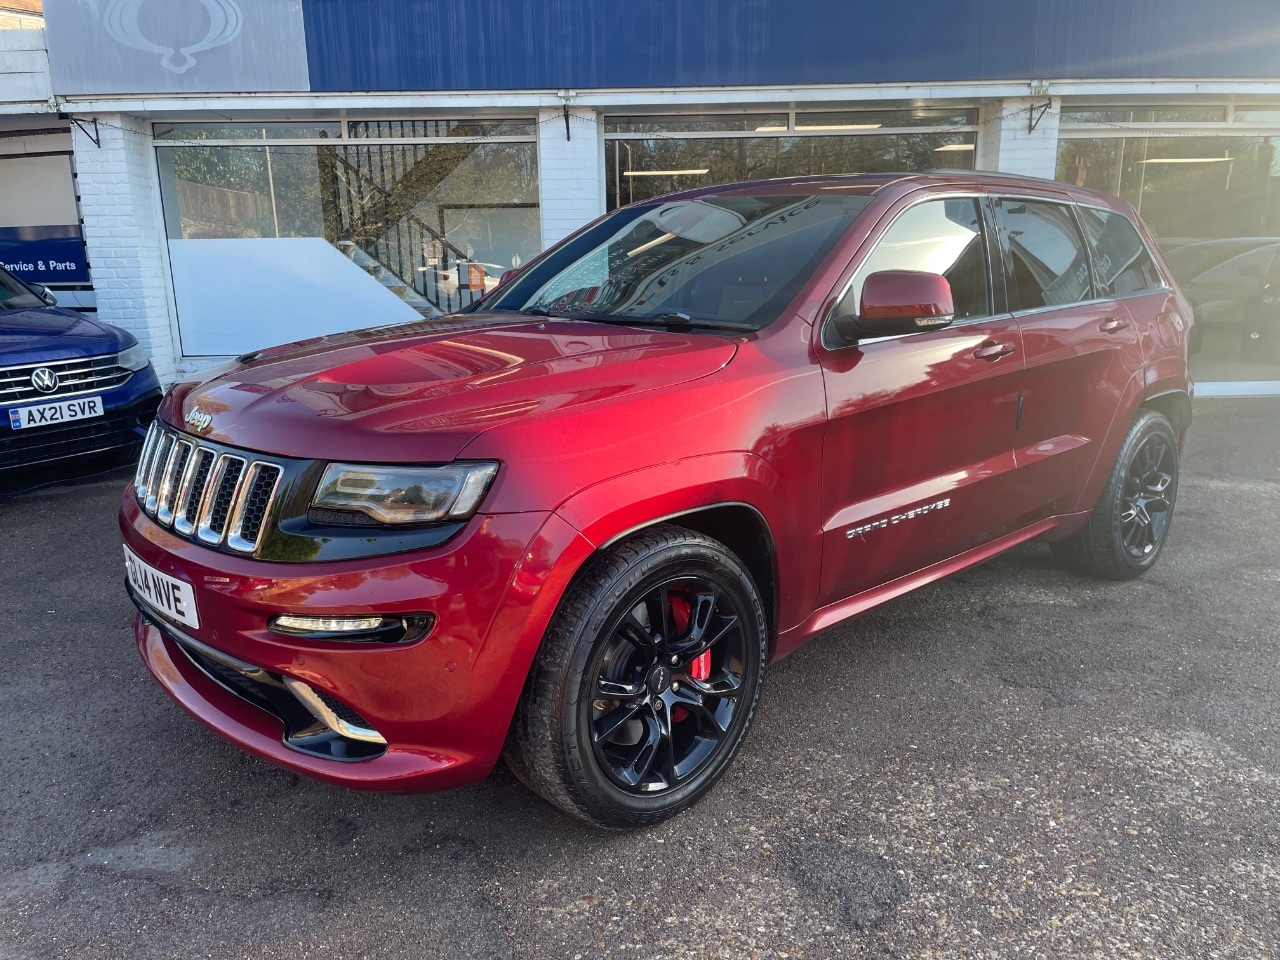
(834, 613)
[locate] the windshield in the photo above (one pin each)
(737, 260)
(13, 294)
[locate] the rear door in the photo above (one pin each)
(1124, 269)
(1081, 351)
(918, 456)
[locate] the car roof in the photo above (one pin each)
(870, 184)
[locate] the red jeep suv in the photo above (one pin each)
(573, 526)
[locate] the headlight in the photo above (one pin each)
(133, 358)
(406, 494)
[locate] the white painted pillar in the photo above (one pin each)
(1006, 144)
(124, 232)
(570, 171)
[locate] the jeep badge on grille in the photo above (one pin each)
(198, 420)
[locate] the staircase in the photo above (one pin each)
(377, 228)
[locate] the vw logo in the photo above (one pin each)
(44, 379)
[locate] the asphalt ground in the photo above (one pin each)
(1017, 762)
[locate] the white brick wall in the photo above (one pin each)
(124, 231)
(24, 72)
(571, 170)
(1005, 143)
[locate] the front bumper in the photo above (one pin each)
(442, 704)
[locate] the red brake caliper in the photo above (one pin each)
(700, 669)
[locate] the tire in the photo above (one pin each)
(1130, 525)
(609, 728)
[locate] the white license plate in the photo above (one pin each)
(46, 414)
(174, 598)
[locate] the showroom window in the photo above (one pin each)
(285, 230)
(1206, 180)
(646, 156)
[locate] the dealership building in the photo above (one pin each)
(248, 172)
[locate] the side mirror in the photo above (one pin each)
(895, 302)
(41, 291)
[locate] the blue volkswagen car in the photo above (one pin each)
(69, 386)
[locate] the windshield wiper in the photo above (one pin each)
(535, 312)
(664, 320)
(684, 320)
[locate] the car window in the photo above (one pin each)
(734, 258)
(14, 294)
(937, 236)
(1047, 255)
(1121, 262)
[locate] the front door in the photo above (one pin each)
(918, 459)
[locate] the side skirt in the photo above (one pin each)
(834, 613)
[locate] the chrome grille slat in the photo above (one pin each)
(172, 475)
(75, 375)
(22, 369)
(63, 372)
(144, 460)
(228, 476)
(258, 490)
(204, 492)
(161, 458)
(192, 493)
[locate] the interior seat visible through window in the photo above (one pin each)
(937, 236)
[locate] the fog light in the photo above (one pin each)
(401, 629)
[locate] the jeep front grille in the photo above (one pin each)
(205, 493)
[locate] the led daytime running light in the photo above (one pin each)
(328, 624)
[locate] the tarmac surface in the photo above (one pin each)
(1017, 762)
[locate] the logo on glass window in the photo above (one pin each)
(120, 18)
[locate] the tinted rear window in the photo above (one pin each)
(1121, 262)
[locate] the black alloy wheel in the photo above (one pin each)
(668, 678)
(646, 682)
(1147, 507)
(1129, 526)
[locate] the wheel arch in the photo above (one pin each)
(736, 499)
(743, 529)
(1174, 404)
